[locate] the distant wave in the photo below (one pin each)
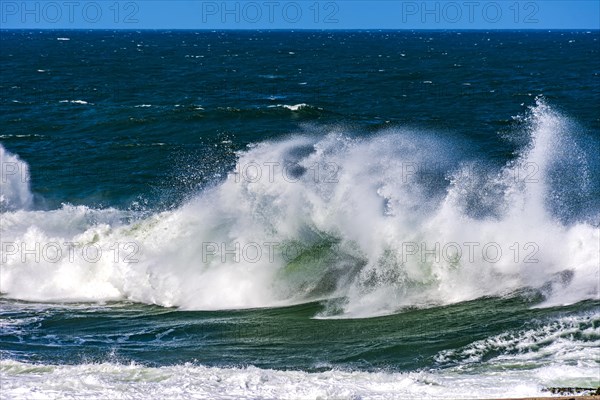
(194, 110)
(349, 207)
(21, 136)
(294, 107)
(74, 101)
(299, 108)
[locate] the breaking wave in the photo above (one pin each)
(371, 225)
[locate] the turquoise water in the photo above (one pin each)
(299, 215)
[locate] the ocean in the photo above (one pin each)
(299, 215)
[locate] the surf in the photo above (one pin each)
(368, 224)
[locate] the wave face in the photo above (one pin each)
(374, 224)
(524, 362)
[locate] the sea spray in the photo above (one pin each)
(14, 182)
(392, 220)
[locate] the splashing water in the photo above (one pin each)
(14, 182)
(372, 224)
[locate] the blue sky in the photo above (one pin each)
(299, 14)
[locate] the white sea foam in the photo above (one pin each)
(364, 195)
(114, 381)
(294, 107)
(571, 343)
(74, 101)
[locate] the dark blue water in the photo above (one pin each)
(427, 137)
(207, 87)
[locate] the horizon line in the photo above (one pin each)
(302, 29)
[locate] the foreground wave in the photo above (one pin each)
(135, 351)
(117, 381)
(398, 219)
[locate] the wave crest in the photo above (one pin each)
(373, 224)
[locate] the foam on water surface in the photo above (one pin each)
(115, 381)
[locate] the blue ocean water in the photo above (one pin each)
(236, 214)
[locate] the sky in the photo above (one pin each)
(300, 14)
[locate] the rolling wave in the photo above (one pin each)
(372, 225)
